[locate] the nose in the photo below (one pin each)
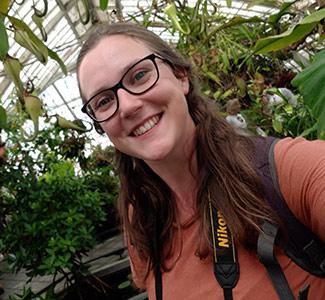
(129, 104)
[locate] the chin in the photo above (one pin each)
(154, 152)
(159, 156)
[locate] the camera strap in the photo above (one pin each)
(226, 267)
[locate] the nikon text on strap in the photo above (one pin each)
(226, 267)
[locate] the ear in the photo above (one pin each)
(182, 77)
(185, 84)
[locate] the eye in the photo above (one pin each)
(104, 101)
(139, 75)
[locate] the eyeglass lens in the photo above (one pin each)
(138, 79)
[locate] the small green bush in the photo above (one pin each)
(51, 222)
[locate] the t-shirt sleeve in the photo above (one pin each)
(300, 167)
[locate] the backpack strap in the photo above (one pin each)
(156, 264)
(265, 247)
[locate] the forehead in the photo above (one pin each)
(103, 65)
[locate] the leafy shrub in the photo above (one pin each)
(51, 222)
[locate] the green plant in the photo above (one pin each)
(310, 83)
(55, 200)
(281, 119)
(51, 221)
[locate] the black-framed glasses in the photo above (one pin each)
(138, 79)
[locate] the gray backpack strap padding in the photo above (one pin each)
(272, 169)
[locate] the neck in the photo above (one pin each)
(180, 175)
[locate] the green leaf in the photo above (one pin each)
(292, 35)
(3, 118)
(317, 16)
(310, 83)
(309, 130)
(288, 109)
(212, 76)
(4, 6)
(229, 2)
(4, 45)
(233, 22)
(277, 124)
(56, 57)
(124, 284)
(103, 4)
(277, 42)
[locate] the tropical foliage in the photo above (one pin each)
(248, 58)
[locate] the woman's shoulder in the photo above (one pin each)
(300, 155)
(300, 166)
(299, 144)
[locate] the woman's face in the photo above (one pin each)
(153, 126)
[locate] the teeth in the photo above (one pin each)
(146, 126)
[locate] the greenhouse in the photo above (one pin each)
(174, 102)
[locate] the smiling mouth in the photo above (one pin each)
(149, 124)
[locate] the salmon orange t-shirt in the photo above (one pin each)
(300, 168)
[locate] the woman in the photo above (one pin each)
(176, 157)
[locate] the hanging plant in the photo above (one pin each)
(77, 125)
(25, 37)
(33, 107)
(39, 23)
(13, 67)
(171, 12)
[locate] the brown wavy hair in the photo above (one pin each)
(225, 171)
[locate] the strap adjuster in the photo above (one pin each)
(312, 250)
